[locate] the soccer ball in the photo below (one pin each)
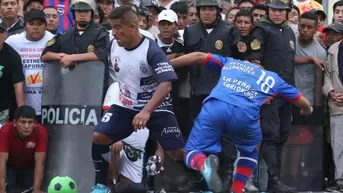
(62, 185)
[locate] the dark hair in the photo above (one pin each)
(296, 8)
(260, 7)
(337, 4)
(245, 13)
(245, 1)
(101, 14)
(310, 16)
(125, 13)
(180, 7)
(143, 12)
(51, 7)
(25, 112)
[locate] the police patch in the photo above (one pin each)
(90, 48)
(219, 44)
(255, 45)
(291, 43)
(51, 42)
(241, 46)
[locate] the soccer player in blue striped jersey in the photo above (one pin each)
(233, 108)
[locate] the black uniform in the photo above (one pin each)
(95, 38)
(274, 46)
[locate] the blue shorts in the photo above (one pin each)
(217, 118)
(117, 125)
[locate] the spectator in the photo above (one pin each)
(66, 16)
(192, 15)
(338, 12)
(33, 4)
(143, 17)
(246, 4)
(9, 10)
(243, 24)
(107, 6)
(11, 77)
(181, 9)
(230, 17)
(334, 33)
(154, 10)
(29, 46)
(99, 16)
(258, 11)
(293, 15)
(333, 89)
(126, 162)
(167, 3)
(23, 147)
(52, 19)
(91, 45)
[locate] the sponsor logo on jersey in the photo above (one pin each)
(70, 115)
(30, 144)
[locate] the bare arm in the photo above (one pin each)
(39, 170)
(189, 59)
(3, 161)
(158, 97)
(19, 93)
(51, 56)
(304, 104)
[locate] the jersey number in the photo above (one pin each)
(267, 82)
(106, 117)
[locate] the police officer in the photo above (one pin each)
(87, 41)
(272, 44)
(210, 34)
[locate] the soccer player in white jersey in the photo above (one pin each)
(145, 76)
(126, 163)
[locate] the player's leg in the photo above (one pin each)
(205, 138)
(115, 125)
(245, 131)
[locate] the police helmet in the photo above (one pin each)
(203, 3)
(83, 5)
(280, 4)
(151, 3)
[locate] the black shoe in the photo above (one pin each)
(332, 187)
(276, 186)
(191, 184)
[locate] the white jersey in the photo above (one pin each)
(30, 53)
(127, 168)
(139, 71)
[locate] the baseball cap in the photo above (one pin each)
(34, 14)
(337, 27)
(168, 15)
(3, 24)
(27, 2)
(320, 12)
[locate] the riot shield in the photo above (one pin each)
(71, 107)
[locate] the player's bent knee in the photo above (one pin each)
(101, 139)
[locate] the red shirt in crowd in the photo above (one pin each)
(21, 152)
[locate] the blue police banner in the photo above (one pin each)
(71, 108)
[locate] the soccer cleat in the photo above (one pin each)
(99, 188)
(209, 171)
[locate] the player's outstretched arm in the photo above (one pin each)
(189, 59)
(305, 105)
